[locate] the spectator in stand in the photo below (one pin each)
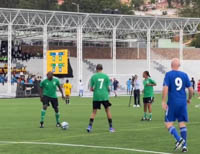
(22, 80)
(40, 78)
(13, 79)
(128, 84)
(81, 88)
(193, 85)
(30, 81)
(198, 89)
(2, 79)
(115, 86)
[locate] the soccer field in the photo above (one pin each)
(20, 132)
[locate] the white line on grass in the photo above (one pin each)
(83, 146)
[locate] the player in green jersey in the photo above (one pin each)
(148, 95)
(48, 94)
(99, 84)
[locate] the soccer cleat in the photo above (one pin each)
(89, 129)
(138, 105)
(41, 124)
(58, 125)
(150, 119)
(112, 130)
(179, 144)
(184, 149)
(143, 119)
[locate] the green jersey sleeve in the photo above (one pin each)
(92, 82)
(152, 81)
(58, 83)
(42, 84)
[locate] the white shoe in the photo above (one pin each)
(138, 105)
(134, 105)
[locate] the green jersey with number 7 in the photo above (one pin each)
(100, 84)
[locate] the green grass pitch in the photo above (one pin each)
(20, 123)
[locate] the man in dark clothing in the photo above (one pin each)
(193, 85)
(115, 86)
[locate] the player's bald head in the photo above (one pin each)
(50, 75)
(175, 64)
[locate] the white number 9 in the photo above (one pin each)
(179, 83)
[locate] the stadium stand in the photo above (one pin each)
(25, 56)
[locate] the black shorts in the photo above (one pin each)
(148, 100)
(46, 100)
(97, 104)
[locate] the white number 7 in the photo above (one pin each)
(101, 84)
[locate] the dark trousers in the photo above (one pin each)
(137, 97)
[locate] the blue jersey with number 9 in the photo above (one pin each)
(177, 82)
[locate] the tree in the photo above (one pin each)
(187, 2)
(182, 2)
(68, 6)
(95, 6)
(153, 1)
(26, 4)
(192, 11)
(169, 3)
(38, 4)
(137, 3)
(30, 4)
(9, 3)
(196, 41)
(90, 6)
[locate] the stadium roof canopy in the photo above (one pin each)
(30, 23)
(53, 25)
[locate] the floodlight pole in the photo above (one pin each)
(77, 6)
(45, 48)
(79, 54)
(149, 49)
(9, 71)
(138, 50)
(181, 47)
(114, 51)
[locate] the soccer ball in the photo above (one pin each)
(64, 125)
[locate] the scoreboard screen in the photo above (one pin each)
(57, 61)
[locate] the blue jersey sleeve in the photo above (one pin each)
(166, 80)
(188, 83)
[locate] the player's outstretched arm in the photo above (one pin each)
(41, 93)
(164, 96)
(190, 90)
(151, 84)
(61, 91)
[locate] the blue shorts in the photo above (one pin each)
(176, 112)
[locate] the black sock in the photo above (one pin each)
(110, 122)
(91, 121)
(67, 101)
